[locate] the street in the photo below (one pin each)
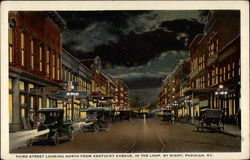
(142, 135)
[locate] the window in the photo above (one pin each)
(221, 74)
(10, 83)
(53, 67)
(11, 56)
(233, 69)
(228, 69)
(21, 85)
(40, 59)
(22, 49)
(22, 98)
(217, 45)
(39, 103)
(224, 73)
(58, 69)
(32, 54)
(48, 61)
(31, 86)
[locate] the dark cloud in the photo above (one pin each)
(129, 38)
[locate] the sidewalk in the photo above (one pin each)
(229, 129)
(232, 130)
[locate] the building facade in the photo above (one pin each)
(34, 63)
(214, 79)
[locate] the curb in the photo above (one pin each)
(224, 132)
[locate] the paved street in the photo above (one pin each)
(139, 135)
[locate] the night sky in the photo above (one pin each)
(141, 47)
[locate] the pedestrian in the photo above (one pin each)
(31, 119)
(238, 119)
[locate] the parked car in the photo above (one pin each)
(210, 119)
(166, 115)
(125, 115)
(95, 120)
(58, 129)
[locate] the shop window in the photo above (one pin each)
(32, 54)
(21, 85)
(22, 49)
(31, 86)
(22, 98)
(32, 102)
(10, 83)
(40, 58)
(39, 102)
(10, 108)
(11, 53)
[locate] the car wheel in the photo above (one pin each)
(70, 136)
(30, 142)
(96, 128)
(56, 139)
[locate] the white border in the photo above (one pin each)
(129, 5)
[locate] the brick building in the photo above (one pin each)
(34, 63)
(215, 64)
(121, 95)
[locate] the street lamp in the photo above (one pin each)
(221, 93)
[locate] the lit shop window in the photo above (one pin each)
(32, 102)
(10, 108)
(32, 54)
(22, 49)
(40, 59)
(22, 97)
(21, 85)
(11, 59)
(10, 83)
(48, 61)
(39, 103)
(31, 86)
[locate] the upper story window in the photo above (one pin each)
(32, 54)
(48, 61)
(22, 45)
(11, 53)
(40, 58)
(53, 66)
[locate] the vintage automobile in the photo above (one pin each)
(95, 120)
(125, 115)
(58, 129)
(210, 119)
(166, 115)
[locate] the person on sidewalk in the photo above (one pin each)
(238, 119)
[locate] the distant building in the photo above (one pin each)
(122, 102)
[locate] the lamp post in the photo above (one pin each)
(221, 93)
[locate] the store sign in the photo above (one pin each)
(76, 94)
(212, 60)
(204, 103)
(227, 53)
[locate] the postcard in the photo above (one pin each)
(124, 80)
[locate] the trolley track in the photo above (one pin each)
(147, 135)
